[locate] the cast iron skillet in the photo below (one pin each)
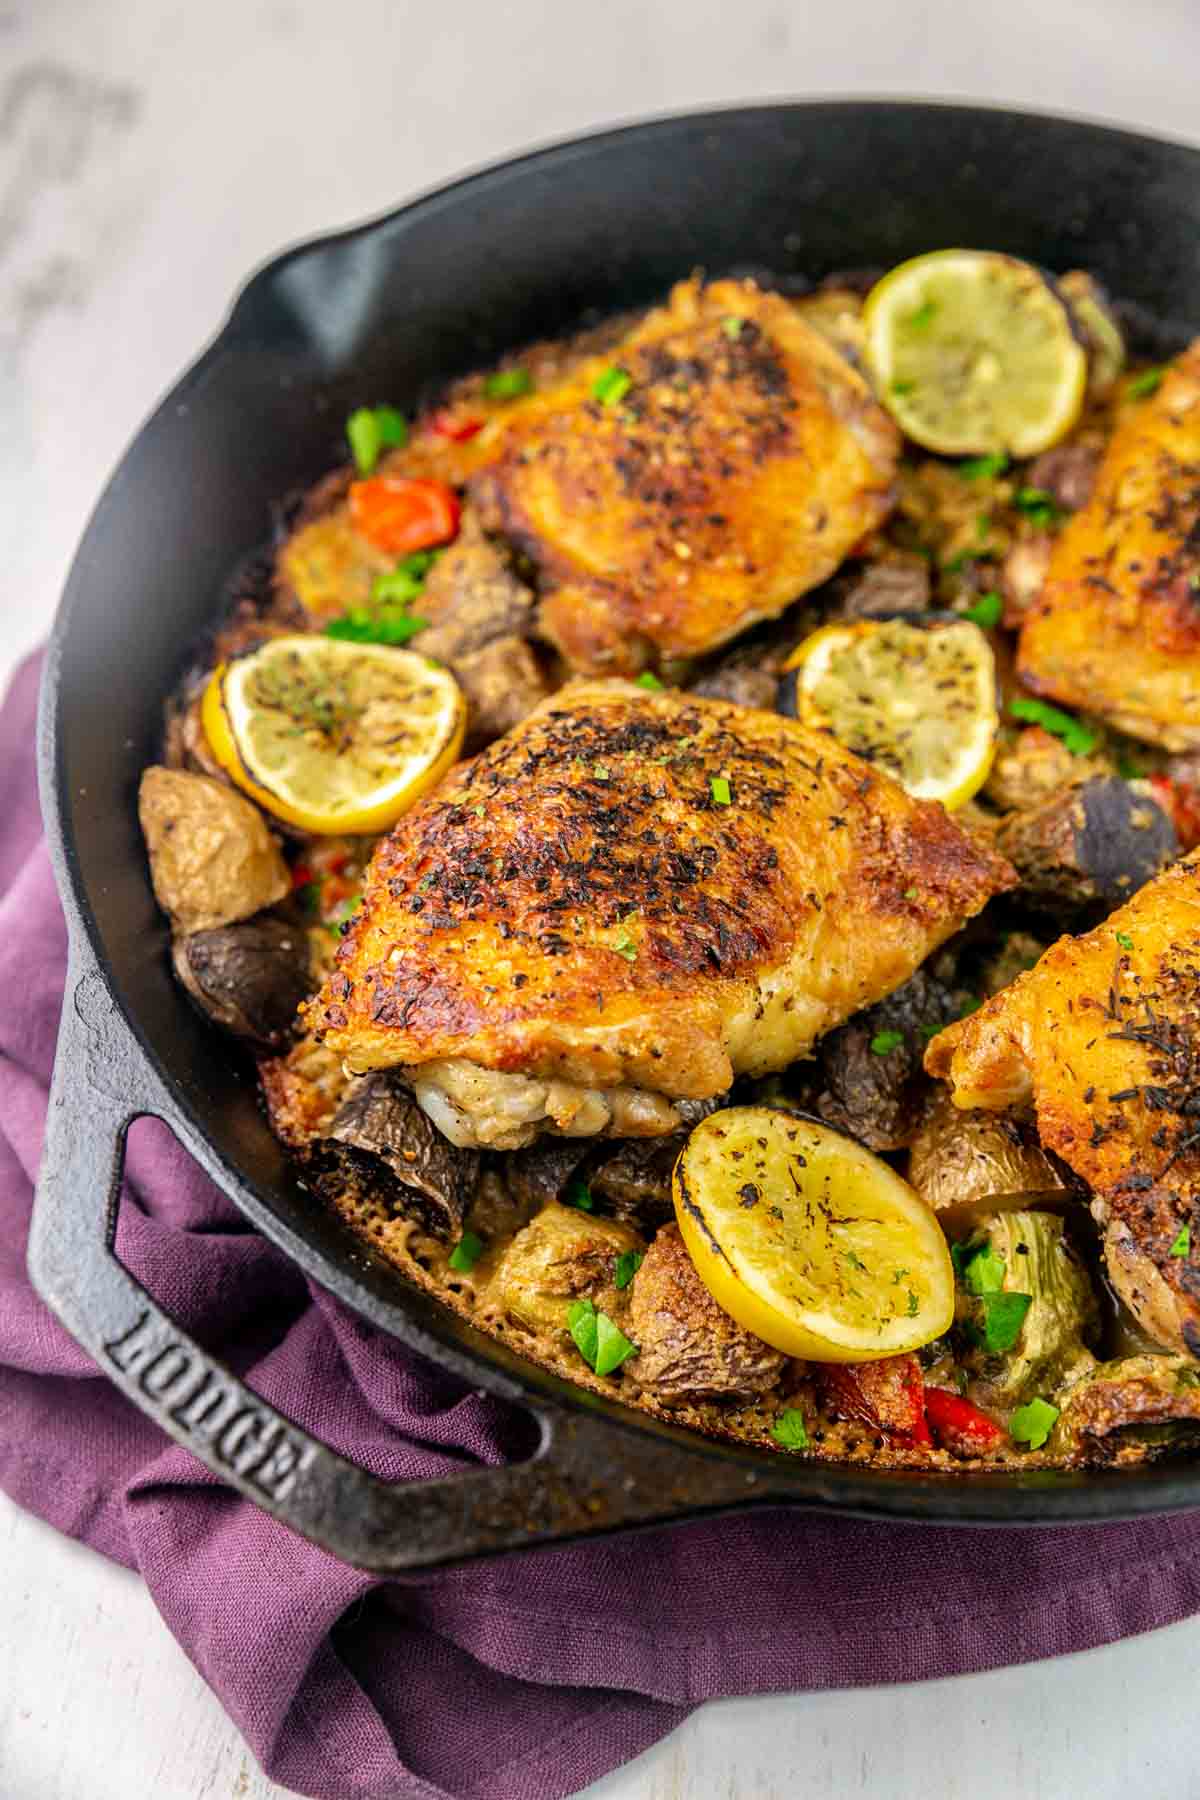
(445, 284)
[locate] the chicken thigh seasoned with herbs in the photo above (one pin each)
(1103, 1037)
(630, 899)
(717, 463)
(1116, 626)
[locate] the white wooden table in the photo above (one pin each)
(151, 152)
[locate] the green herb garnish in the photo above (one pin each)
(611, 386)
(467, 1252)
(1123, 938)
(627, 1266)
(508, 384)
(986, 612)
(733, 326)
(984, 468)
(719, 788)
(1183, 1242)
(983, 1272)
(1145, 384)
(1031, 1423)
(789, 1431)
(923, 316)
(913, 1304)
(1003, 1317)
(371, 429)
(601, 1344)
(650, 682)
(1039, 506)
(362, 627)
(903, 387)
(1078, 738)
(579, 1194)
(884, 1042)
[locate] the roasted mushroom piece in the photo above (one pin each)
(381, 1131)
(868, 1078)
(688, 1347)
(634, 1181)
(560, 1256)
(1089, 848)
(249, 978)
(212, 859)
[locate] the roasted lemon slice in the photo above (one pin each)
(808, 1240)
(334, 736)
(972, 351)
(920, 701)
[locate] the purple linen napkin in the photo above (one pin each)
(520, 1679)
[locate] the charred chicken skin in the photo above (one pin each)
(628, 900)
(1103, 1035)
(718, 462)
(1116, 628)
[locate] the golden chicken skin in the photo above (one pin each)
(714, 465)
(1103, 1035)
(628, 900)
(1116, 628)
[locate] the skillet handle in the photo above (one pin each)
(587, 1475)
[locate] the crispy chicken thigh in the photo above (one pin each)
(1103, 1035)
(1116, 628)
(733, 463)
(627, 900)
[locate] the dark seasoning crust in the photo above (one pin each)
(611, 867)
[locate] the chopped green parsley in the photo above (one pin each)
(508, 384)
(611, 386)
(984, 468)
(1031, 1424)
(467, 1252)
(1123, 938)
(372, 429)
(1038, 505)
(986, 611)
(983, 1272)
(720, 791)
(1079, 739)
(579, 1194)
(650, 682)
(789, 1430)
(884, 1042)
(1145, 384)
(627, 1266)
(602, 1345)
(733, 326)
(1003, 1317)
(1183, 1242)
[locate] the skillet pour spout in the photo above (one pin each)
(525, 250)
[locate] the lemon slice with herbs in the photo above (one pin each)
(919, 701)
(808, 1240)
(972, 352)
(334, 736)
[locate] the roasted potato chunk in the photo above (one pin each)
(212, 859)
(688, 1347)
(560, 1256)
(964, 1164)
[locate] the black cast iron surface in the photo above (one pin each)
(524, 250)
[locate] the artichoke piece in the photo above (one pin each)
(1126, 1410)
(380, 1132)
(562, 1255)
(1012, 1352)
(967, 1165)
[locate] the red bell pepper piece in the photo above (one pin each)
(1181, 803)
(959, 1426)
(400, 515)
(888, 1395)
(455, 426)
